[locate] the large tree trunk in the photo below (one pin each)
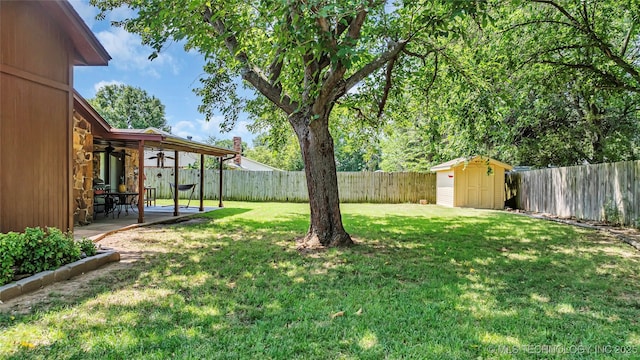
(316, 145)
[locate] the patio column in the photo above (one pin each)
(201, 182)
(175, 184)
(220, 188)
(141, 190)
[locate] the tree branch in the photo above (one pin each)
(605, 76)
(334, 76)
(625, 44)
(540, 21)
(600, 44)
(535, 57)
(275, 69)
(387, 86)
(372, 66)
(561, 9)
(249, 72)
(435, 75)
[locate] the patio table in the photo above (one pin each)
(125, 200)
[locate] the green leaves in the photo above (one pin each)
(38, 250)
(125, 106)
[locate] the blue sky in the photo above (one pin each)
(171, 77)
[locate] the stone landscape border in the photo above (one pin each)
(41, 279)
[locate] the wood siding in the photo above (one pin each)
(292, 186)
(473, 185)
(444, 192)
(590, 192)
(35, 119)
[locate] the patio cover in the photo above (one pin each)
(104, 134)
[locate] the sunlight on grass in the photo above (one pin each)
(498, 339)
(368, 340)
(522, 257)
(422, 281)
(540, 298)
(130, 297)
(565, 309)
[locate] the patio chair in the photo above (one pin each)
(184, 187)
(102, 202)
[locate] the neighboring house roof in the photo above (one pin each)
(464, 160)
(129, 138)
(89, 51)
(251, 165)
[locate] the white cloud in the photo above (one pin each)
(86, 11)
(100, 84)
(128, 53)
(201, 129)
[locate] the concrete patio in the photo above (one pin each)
(103, 226)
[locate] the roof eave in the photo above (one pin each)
(89, 50)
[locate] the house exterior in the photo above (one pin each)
(247, 164)
(240, 162)
(93, 137)
(40, 42)
(476, 182)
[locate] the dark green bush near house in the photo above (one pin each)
(38, 250)
(10, 249)
(88, 247)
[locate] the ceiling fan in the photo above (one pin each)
(110, 150)
(160, 156)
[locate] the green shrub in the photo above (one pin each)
(38, 250)
(88, 247)
(47, 250)
(10, 249)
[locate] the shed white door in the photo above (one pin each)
(479, 188)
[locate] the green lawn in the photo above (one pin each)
(422, 282)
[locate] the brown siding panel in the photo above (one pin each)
(35, 119)
(34, 156)
(31, 41)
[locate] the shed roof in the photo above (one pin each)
(464, 160)
(129, 138)
(89, 51)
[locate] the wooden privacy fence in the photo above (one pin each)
(373, 187)
(603, 192)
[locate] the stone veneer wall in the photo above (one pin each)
(131, 170)
(82, 170)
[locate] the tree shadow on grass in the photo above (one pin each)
(436, 287)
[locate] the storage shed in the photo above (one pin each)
(476, 182)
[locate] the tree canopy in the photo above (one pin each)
(402, 85)
(542, 83)
(128, 107)
(304, 57)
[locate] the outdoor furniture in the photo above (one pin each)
(103, 203)
(149, 196)
(184, 187)
(123, 201)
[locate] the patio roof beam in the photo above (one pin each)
(222, 160)
(193, 147)
(175, 184)
(201, 182)
(141, 189)
(220, 187)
